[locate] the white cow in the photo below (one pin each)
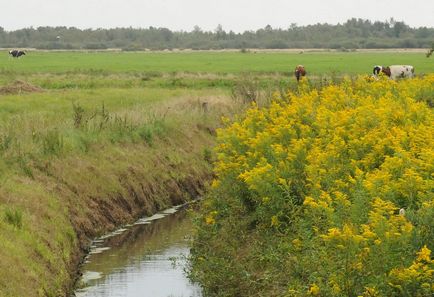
(397, 71)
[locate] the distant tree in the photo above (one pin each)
(354, 33)
(197, 29)
(219, 32)
(399, 28)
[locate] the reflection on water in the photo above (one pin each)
(146, 259)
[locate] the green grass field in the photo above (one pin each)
(316, 63)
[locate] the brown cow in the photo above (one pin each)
(299, 72)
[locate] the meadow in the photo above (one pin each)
(317, 63)
(91, 140)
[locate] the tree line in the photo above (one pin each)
(353, 34)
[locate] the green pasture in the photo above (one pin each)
(316, 63)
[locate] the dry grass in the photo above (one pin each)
(18, 87)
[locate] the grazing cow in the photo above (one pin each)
(377, 70)
(299, 72)
(16, 53)
(399, 71)
(395, 71)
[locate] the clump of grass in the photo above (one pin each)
(25, 167)
(14, 217)
(5, 141)
(149, 131)
(78, 114)
(207, 155)
(52, 143)
(104, 117)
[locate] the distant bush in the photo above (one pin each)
(132, 48)
(95, 45)
(276, 44)
(55, 45)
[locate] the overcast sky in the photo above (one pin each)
(237, 15)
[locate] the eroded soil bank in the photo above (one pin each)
(68, 201)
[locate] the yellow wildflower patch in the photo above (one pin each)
(314, 290)
(346, 172)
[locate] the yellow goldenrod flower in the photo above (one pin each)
(274, 221)
(314, 290)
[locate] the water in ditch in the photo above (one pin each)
(144, 259)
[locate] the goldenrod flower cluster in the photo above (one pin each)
(324, 173)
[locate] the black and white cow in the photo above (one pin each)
(377, 69)
(395, 71)
(16, 53)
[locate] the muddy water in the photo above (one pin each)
(145, 259)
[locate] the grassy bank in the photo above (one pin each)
(78, 162)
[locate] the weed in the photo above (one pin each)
(104, 117)
(14, 217)
(78, 113)
(52, 142)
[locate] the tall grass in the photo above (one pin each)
(37, 126)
